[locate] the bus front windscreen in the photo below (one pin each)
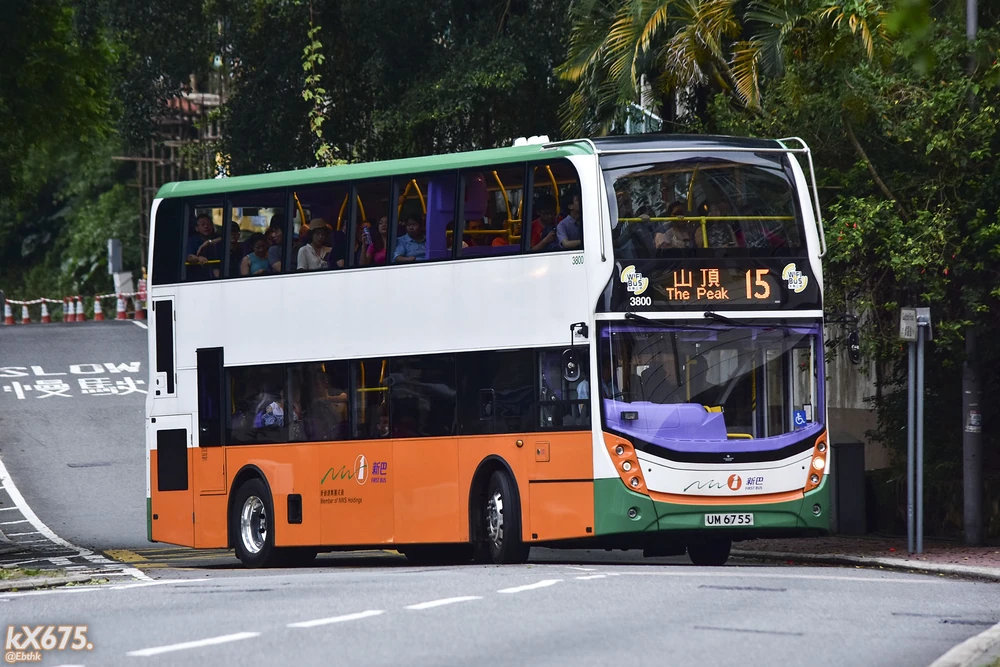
(692, 388)
(723, 205)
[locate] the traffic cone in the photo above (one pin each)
(8, 314)
(25, 316)
(98, 313)
(69, 314)
(45, 314)
(140, 307)
(121, 308)
(80, 315)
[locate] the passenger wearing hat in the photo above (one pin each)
(313, 256)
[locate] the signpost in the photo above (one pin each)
(915, 328)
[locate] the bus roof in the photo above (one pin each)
(366, 170)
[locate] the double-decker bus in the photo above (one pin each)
(607, 343)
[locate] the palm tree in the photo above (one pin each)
(686, 44)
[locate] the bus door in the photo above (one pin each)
(171, 494)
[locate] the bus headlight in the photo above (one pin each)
(619, 450)
(626, 466)
(814, 478)
(821, 447)
(634, 482)
(819, 463)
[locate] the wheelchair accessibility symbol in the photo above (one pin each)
(800, 418)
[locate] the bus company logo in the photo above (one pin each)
(334, 474)
(379, 472)
(754, 483)
(796, 280)
(635, 282)
(361, 469)
(734, 483)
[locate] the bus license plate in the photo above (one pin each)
(729, 519)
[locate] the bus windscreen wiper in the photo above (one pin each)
(635, 317)
(715, 317)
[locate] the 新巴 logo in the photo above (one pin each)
(361, 469)
(735, 482)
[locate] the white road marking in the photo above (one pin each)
(33, 532)
(6, 509)
(139, 324)
(337, 619)
(11, 523)
(443, 601)
(211, 641)
(582, 569)
(15, 495)
(530, 587)
(742, 573)
(592, 576)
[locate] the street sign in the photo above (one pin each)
(908, 324)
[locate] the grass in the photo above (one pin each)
(13, 573)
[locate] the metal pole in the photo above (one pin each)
(911, 378)
(921, 335)
(972, 444)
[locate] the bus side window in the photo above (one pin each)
(557, 222)
(490, 216)
(204, 244)
(370, 400)
(168, 242)
(422, 396)
(495, 392)
(319, 402)
(258, 405)
(562, 403)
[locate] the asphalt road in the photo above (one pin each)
(77, 458)
(545, 614)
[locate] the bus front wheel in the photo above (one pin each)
(503, 521)
(710, 551)
(253, 525)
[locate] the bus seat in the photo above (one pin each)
(440, 211)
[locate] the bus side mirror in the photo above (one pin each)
(854, 347)
(571, 368)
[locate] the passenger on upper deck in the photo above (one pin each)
(275, 239)
(256, 263)
(412, 246)
(675, 233)
(373, 249)
(543, 228)
(569, 231)
(719, 231)
(196, 259)
(313, 256)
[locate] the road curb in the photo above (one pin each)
(45, 582)
(973, 650)
(967, 571)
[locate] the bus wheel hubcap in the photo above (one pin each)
(494, 518)
(253, 524)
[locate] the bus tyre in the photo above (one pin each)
(503, 521)
(711, 551)
(253, 525)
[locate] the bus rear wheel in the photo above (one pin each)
(503, 521)
(710, 551)
(252, 522)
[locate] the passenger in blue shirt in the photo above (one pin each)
(412, 246)
(569, 231)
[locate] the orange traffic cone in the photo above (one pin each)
(80, 315)
(25, 316)
(140, 306)
(45, 314)
(8, 314)
(69, 314)
(98, 313)
(121, 308)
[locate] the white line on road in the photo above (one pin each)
(743, 574)
(530, 587)
(7, 509)
(211, 641)
(337, 619)
(33, 532)
(139, 324)
(443, 601)
(582, 569)
(592, 576)
(11, 523)
(8, 484)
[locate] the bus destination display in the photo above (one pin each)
(707, 285)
